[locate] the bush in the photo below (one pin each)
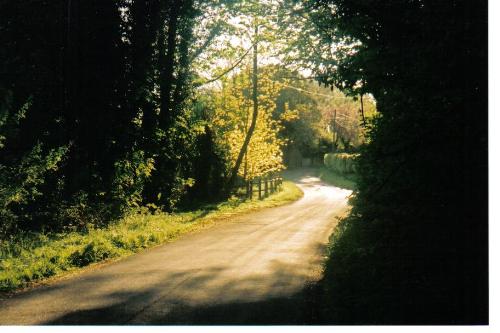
(97, 249)
(131, 174)
(343, 163)
(22, 173)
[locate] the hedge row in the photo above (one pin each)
(341, 162)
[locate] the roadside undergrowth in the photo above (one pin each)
(32, 257)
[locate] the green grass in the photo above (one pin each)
(32, 257)
(336, 179)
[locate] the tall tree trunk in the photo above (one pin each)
(186, 34)
(167, 62)
(146, 20)
(244, 147)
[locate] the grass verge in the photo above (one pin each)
(333, 178)
(32, 257)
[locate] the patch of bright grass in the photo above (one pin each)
(336, 179)
(32, 257)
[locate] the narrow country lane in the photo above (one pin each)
(242, 271)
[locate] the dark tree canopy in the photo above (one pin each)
(419, 220)
(104, 86)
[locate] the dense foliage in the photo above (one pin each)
(96, 111)
(414, 248)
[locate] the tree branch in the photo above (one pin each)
(213, 33)
(229, 69)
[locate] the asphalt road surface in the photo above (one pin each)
(250, 270)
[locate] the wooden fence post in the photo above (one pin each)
(266, 190)
(260, 188)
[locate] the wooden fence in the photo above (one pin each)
(262, 187)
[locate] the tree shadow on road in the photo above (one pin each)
(190, 297)
(297, 309)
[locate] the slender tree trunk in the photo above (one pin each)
(334, 130)
(362, 111)
(244, 147)
(247, 118)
